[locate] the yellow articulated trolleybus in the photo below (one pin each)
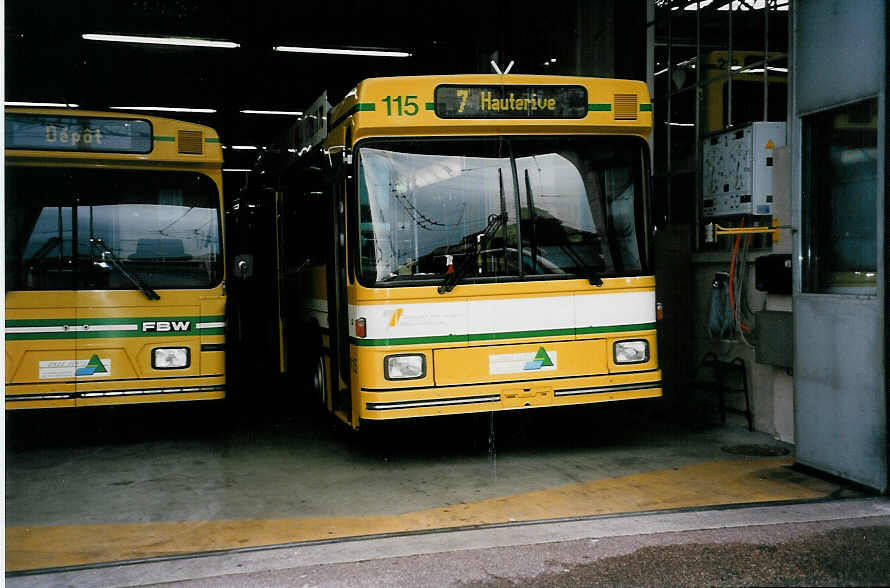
(114, 261)
(487, 246)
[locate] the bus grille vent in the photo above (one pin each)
(191, 142)
(625, 107)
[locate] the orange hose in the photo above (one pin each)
(735, 251)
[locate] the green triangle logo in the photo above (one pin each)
(543, 358)
(97, 366)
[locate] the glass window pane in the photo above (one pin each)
(839, 204)
(778, 26)
(713, 60)
(38, 229)
(682, 132)
(424, 205)
(161, 226)
(683, 59)
(581, 205)
(777, 88)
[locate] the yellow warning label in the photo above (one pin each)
(770, 144)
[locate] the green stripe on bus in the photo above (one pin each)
(160, 138)
(213, 331)
(212, 140)
(645, 108)
(192, 331)
(615, 329)
(112, 334)
(58, 322)
(599, 107)
(430, 105)
(365, 107)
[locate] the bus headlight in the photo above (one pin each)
(631, 351)
(170, 358)
(404, 367)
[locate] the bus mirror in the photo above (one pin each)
(242, 266)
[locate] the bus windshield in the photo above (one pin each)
(568, 206)
(162, 226)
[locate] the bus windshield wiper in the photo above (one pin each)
(495, 222)
(591, 274)
(593, 277)
(109, 258)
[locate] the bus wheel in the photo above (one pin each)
(320, 380)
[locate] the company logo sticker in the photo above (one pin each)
(515, 363)
(93, 366)
(541, 360)
(81, 368)
(396, 317)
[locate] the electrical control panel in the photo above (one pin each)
(737, 170)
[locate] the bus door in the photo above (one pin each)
(338, 306)
(40, 308)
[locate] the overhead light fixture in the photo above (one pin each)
(770, 69)
(322, 50)
(243, 147)
(179, 41)
(281, 112)
(42, 104)
(236, 169)
(164, 109)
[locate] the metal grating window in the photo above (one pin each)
(191, 142)
(625, 107)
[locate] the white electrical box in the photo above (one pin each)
(737, 170)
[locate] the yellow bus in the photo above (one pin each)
(114, 261)
(476, 243)
(747, 88)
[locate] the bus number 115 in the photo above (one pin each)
(404, 105)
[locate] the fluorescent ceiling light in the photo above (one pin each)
(180, 41)
(164, 109)
(49, 104)
(284, 112)
(236, 169)
(243, 147)
(367, 52)
(770, 68)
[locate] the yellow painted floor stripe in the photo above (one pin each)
(722, 482)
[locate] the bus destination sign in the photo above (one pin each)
(77, 133)
(516, 101)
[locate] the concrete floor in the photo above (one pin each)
(91, 486)
(822, 543)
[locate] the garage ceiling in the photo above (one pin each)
(48, 60)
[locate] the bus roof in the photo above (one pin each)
(492, 104)
(88, 134)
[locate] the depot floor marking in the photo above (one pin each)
(733, 481)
